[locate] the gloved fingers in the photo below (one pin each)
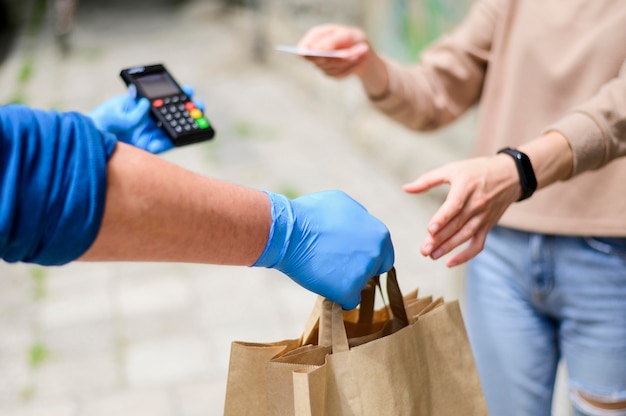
(385, 263)
(121, 114)
(355, 201)
(189, 90)
(132, 91)
(136, 116)
(336, 197)
(105, 115)
(387, 258)
(200, 104)
(351, 301)
(159, 145)
(149, 137)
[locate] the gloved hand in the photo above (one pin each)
(328, 243)
(129, 119)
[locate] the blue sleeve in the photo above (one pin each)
(52, 184)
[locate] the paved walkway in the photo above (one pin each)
(153, 339)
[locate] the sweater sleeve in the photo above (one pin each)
(596, 129)
(449, 77)
(52, 184)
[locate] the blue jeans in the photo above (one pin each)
(533, 299)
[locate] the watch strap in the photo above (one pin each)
(527, 178)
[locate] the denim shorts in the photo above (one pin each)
(533, 300)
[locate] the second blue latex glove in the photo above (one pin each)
(128, 117)
(328, 243)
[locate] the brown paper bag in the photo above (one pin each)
(246, 392)
(425, 369)
(305, 366)
(416, 364)
(246, 389)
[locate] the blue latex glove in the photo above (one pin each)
(129, 119)
(328, 243)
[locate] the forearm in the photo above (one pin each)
(374, 76)
(551, 157)
(157, 211)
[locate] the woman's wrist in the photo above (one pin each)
(374, 76)
(551, 156)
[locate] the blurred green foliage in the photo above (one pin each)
(28, 393)
(39, 280)
(37, 16)
(26, 71)
(420, 22)
(290, 192)
(250, 130)
(37, 355)
(243, 128)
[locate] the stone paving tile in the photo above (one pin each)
(78, 340)
(170, 360)
(44, 409)
(152, 294)
(153, 402)
(201, 398)
(75, 310)
(75, 376)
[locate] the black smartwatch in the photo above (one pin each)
(525, 170)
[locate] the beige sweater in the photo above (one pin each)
(533, 66)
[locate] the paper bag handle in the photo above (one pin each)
(396, 299)
(332, 330)
(368, 297)
(366, 310)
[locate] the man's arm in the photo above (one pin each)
(70, 191)
(158, 211)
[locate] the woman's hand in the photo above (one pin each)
(351, 42)
(356, 55)
(481, 189)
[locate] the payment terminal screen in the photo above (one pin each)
(157, 85)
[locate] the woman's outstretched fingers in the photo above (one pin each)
(476, 246)
(426, 181)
